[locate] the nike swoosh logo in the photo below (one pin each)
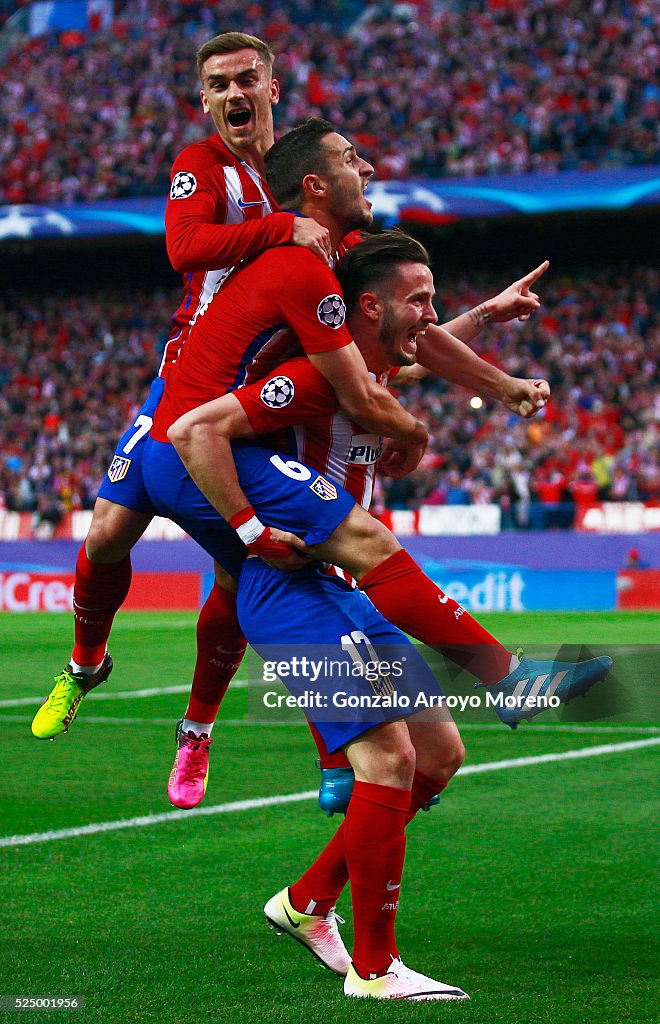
(389, 887)
(243, 205)
(292, 923)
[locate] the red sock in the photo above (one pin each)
(408, 598)
(337, 760)
(220, 649)
(319, 888)
(423, 788)
(375, 845)
(98, 593)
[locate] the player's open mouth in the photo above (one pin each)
(240, 117)
(409, 346)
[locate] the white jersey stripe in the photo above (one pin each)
(212, 281)
(235, 214)
(257, 180)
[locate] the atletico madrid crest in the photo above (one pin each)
(324, 489)
(118, 469)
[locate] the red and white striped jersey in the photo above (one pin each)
(301, 406)
(216, 216)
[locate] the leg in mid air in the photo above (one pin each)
(122, 512)
(406, 596)
(102, 581)
(220, 649)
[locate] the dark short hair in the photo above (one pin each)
(232, 42)
(374, 261)
(294, 155)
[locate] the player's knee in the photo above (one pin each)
(399, 766)
(377, 543)
(388, 763)
(440, 757)
(114, 531)
(103, 544)
(449, 759)
(457, 756)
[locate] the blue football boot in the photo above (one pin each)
(516, 697)
(335, 789)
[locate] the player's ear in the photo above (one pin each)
(274, 92)
(314, 186)
(205, 102)
(371, 305)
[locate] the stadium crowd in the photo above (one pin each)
(74, 370)
(425, 89)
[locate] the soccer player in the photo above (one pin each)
(399, 765)
(219, 212)
(209, 365)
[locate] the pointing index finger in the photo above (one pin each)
(536, 273)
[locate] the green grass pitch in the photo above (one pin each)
(531, 886)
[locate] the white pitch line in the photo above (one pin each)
(154, 691)
(272, 801)
(251, 722)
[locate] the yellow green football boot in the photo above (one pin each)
(61, 707)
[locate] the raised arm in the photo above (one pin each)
(517, 300)
(448, 357)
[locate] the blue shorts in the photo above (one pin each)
(320, 637)
(284, 493)
(123, 483)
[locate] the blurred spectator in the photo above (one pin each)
(424, 89)
(47, 517)
(72, 373)
(635, 560)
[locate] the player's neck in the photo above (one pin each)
(253, 154)
(326, 220)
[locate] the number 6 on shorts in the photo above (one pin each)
(294, 470)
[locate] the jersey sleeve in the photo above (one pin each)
(295, 395)
(311, 302)
(196, 234)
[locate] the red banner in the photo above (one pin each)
(638, 588)
(53, 592)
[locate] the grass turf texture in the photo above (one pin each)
(529, 887)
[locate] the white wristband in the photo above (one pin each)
(250, 530)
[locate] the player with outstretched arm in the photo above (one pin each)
(399, 765)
